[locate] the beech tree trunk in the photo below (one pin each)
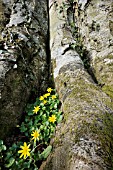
(84, 139)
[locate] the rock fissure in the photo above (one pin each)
(78, 44)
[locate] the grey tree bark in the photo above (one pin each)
(84, 139)
(24, 62)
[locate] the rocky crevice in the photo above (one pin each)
(78, 45)
(82, 139)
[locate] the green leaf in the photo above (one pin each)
(46, 123)
(8, 156)
(52, 129)
(29, 107)
(46, 152)
(26, 165)
(14, 147)
(59, 119)
(41, 127)
(26, 133)
(11, 161)
(1, 142)
(26, 119)
(43, 108)
(33, 128)
(41, 112)
(23, 128)
(3, 147)
(47, 131)
(42, 104)
(30, 113)
(73, 46)
(30, 123)
(55, 106)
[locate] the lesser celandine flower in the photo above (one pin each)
(49, 90)
(46, 95)
(35, 135)
(36, 109)
(52, 118)
(25, 150)
(44, 101)
(53, 96)
(41, 98)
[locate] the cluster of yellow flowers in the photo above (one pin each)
(42, 98)
(25, 152)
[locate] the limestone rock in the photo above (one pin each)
(23, 58)
(82, 141)
(96, 28)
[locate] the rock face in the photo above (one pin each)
(84, 139)
(96, 28)
(23, 58)
(81, 40)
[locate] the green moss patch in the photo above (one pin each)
(108, 90)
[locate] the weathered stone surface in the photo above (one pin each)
(96, 28)
(84, 139)
(23, 58)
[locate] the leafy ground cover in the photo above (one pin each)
(37, 129)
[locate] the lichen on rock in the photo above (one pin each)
(23, 58)
(84, 138)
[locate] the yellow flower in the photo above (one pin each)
(49, 90)
(45, 101)
(35, 135)
(41, 98)
(53, 96)
(36, 109)
(25, 150)
(52, 118)
(46, 95)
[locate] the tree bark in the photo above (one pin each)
(84, 139)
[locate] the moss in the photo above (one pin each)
(95, 122)
(108, 90)
(53, 63)
(110, 56)
(111, 26)
(93, 13)
(102, 129)
(100, 58)
(105, 135)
